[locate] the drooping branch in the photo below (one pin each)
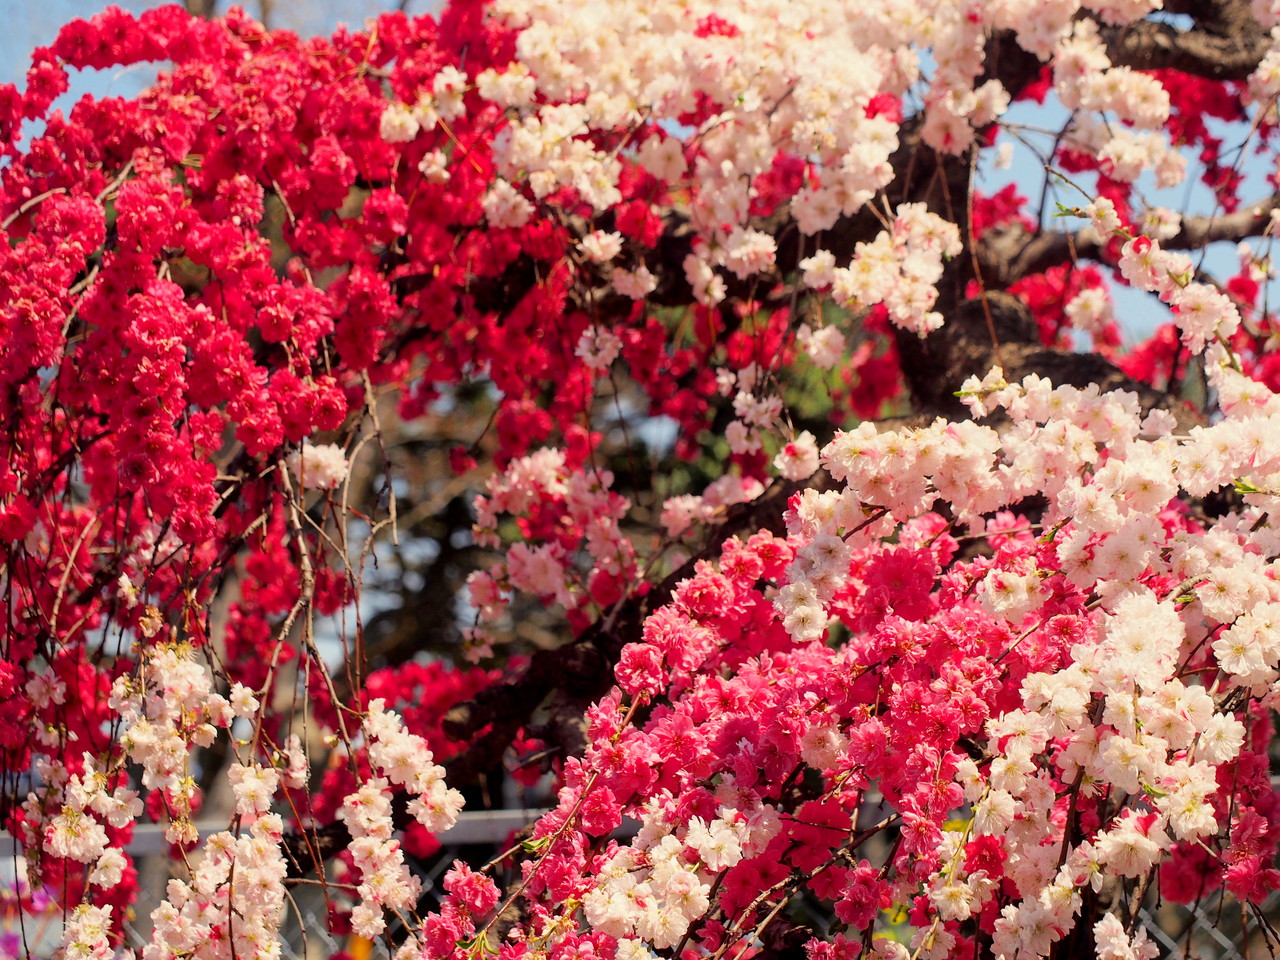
(566, 679)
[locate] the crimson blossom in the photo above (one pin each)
(853, 586)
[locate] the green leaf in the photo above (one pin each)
(477, 946)
(535, 846)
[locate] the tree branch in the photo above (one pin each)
(201, 8)
(574, 675)
(1226, 43)
(1009, 255)
(580, 672)
(937, 366)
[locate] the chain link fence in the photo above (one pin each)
(1214, 929)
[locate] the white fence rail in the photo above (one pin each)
(473, 827)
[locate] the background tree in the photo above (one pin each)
(796, 520)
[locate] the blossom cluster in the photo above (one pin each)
(563, 512)
(402, 758)
(1107, 669)
(979, 670)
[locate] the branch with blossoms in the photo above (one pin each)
(1011, 255)
(583, 670)
(971, 682)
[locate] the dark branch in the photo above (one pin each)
(936, 367)
(201, 8)
(581, 672)
(1226, 43)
